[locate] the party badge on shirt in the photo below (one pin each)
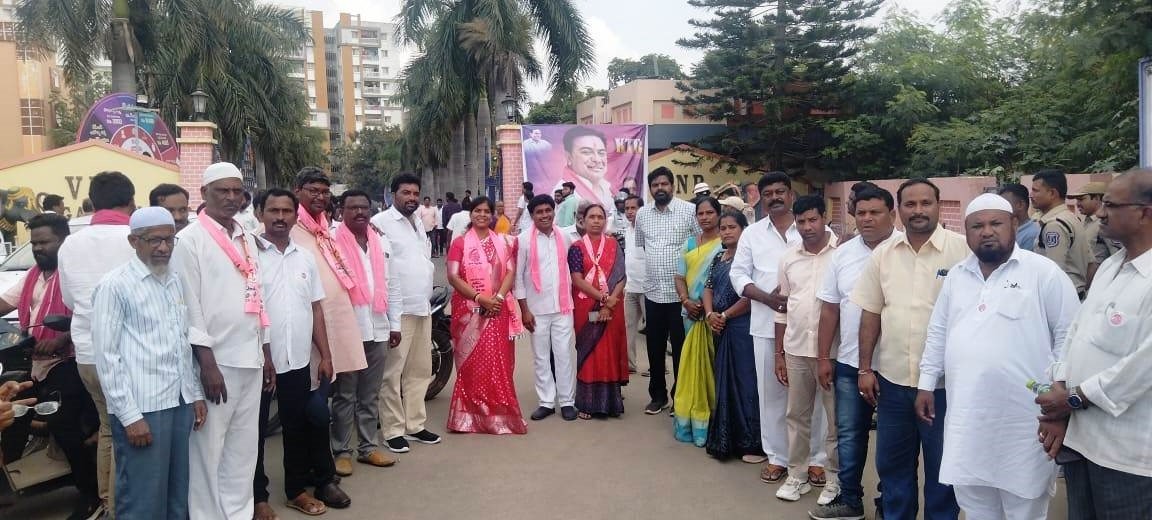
(1116, 319)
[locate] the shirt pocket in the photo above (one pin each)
(1012, 304)
(1116, 334)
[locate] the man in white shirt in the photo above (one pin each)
(217, 263)
(1101, 403)
(754, 273)
(544, 292)
(458, 225)
(378, 302)
(875, 219)
(408, 366)
(85, 258)
(429, 217)
(523, 218)
(247, 216)
(634, 287)
(292, 290)
(1000, 319)
(801, 273)
(140, 342)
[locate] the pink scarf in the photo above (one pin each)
(110, 217)
(486, 278)
(327, 247)
(346, 242)
(594, 275)
(53, 304)
(253, 300)
(565, 286)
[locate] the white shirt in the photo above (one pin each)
(757, 261)
(458, 224)
(411, 259)
(214, 292)
(1109, 356)
(848, 262)
(373, 325)
(142, 353)
(525, 220)
(248, 219)
(547, 299)
(290, 283)
(84, 258)
(634, 261)
(986, 339)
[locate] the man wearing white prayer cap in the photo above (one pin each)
(999, 322)
(216, 261)
(147, 373)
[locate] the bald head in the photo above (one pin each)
(1126, 213)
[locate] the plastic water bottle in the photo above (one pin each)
(1037, 387)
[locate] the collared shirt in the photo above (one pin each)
(661, 234)
(458, 224)
(566, 211)
(989, 337)
(84, 258)
(801, 276)
(547, 299)
(429, 217)
(214, 293)
(1109, 356)
(290, 283)
(1101, 247)
(901, 285)
(40, 365)
(1026, 235)
(757, 261)
(141, 343)
(411, 259)
(1063, 240)
(450, 210)
(375, 326)
(525, 219)
(634, 262)
(844, 270)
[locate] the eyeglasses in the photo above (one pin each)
(1109, 205)
(44, 408)
(317, 192)
(155, 242)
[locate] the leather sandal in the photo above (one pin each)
(772, 473)
(308, 505)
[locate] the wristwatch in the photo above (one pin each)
(1076, 402)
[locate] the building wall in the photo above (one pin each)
(642, 101)
(26, 83)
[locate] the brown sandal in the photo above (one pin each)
(308, 505)
(772, 473)
(816, 476)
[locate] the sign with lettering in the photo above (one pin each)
(598, 159)
(116, 120)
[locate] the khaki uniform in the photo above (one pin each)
(1064, 240)
(1102, 248)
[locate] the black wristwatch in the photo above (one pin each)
(1076, 402)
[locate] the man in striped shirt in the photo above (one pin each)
(146, 370)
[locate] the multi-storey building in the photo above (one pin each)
(25, 89)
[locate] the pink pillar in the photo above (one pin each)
(197, 140)
(508, 138)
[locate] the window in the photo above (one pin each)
(7, 32)
(667, 111)
(387, 119)
(311, 67)
(385, 69)
(25, 53)
(32, 116)
(385, 53)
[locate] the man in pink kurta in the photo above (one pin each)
(311, 233)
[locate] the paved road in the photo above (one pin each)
(629, 467)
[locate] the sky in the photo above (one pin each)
(619, 28)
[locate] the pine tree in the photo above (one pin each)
(772, 70)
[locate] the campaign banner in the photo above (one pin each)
(115, 119)
(598, 159)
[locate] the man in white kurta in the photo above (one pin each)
(228, 341)
(1000, 321)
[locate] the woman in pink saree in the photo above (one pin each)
(485, 322)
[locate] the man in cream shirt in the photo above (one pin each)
(634, 287)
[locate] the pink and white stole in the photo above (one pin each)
(486, 278)
(253, 300)
(350, 248)
(561, 265)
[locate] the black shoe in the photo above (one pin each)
(397, 445)
(424, 437)
(332, 496)
(542, 413)
(838, 509)
(655, 407)
(87, 511)
(568, 413)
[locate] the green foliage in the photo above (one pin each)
(561, 108)
(370, 161)
(71, 107)
(649, 66)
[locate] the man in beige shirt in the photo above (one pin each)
(802, 269)
(1062, 236)
(897, 292)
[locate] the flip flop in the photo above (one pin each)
(816, 476)
(772, 473)
(308, 505)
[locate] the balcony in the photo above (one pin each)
(370, 59)
(373, 76)
(369, 42)
(373, 91)
(372, 110)
(297, 74)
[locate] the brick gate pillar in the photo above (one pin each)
(197, 140)
(511, 144)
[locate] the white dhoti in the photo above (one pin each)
(553, 341)
(774, 409)
(989, 503)
(222, 456)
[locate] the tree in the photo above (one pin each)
(70, 108)
(561, 108)
(370, 161)
(649, 66)
(773, 70)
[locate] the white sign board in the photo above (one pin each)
(1145, 73)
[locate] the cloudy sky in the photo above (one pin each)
(619, 28)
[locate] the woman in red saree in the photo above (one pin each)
(485, 321)
(597, 265)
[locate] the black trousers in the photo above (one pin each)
(307, 456)
(1099, 493)
(73, 424)
(664, 325)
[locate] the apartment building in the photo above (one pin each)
(25, 88)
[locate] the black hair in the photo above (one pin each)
(86, 206)
(639, 200)
(739, 217)
(806, 203)
(874, 192)
(577, 132)
(55, 221)
(1054, 179)
(912, 182)
(570, 185)
(355, 193)
(710, 201)
(165, 190)
(111, 190)
(51, 201)
(526, 186)
(863, 185)
(482, 199)
(248, 196)
(310, 174)
(771, 178)
(540, 200)
(427, 198)
(584, 208)
(450, 196)
(1016, 190)
(661, 172)
(262, 198)
(405, 178)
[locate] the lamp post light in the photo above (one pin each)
(509, 108)
(199, 105)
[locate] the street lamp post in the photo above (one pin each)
(509, 105)
(199, 105)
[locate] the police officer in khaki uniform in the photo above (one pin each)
(1062, 237)
(1088, 201)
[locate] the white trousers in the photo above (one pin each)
(553, 341)
(634, 319)
(989, 503)
(774, 410)
(222, 456)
